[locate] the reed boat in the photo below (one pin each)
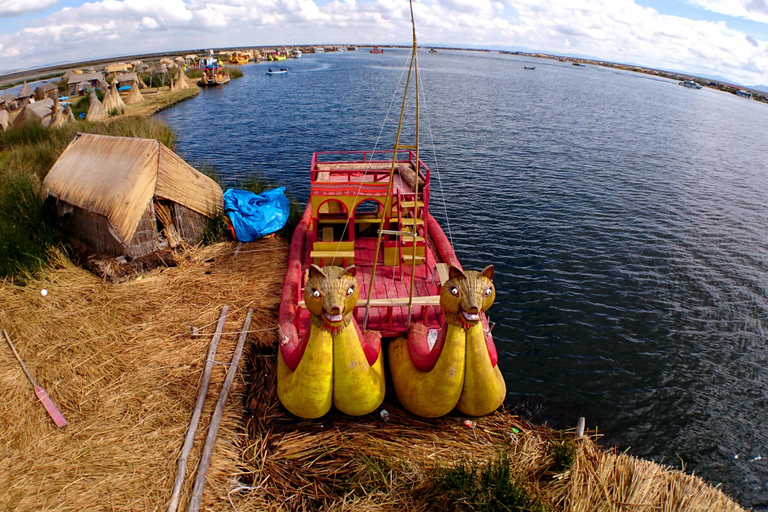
(238, 58)
(370, 273)
(212, 72)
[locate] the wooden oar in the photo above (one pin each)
(54, 413)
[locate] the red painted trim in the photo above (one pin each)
(290, 346)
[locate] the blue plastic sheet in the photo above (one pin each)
(254, 216)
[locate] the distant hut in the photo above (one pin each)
(95, 109)
(182, 81)
(191, 58)
(25, 95)
(5, 120)
(70, 73)
(165, 61)
(134, 96)
(180, 61)
(127, 196)
(78, 83)
(8, 102)
(47, 90)
(117, 67)
(38, 113)
(126, 80)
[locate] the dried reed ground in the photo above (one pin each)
(121, 364)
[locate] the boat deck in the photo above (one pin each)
(392, 320)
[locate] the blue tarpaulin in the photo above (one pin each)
(254, 216)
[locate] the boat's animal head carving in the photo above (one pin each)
(330, 295)
(466, 294)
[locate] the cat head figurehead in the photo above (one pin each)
(330, 295)
(466, 294)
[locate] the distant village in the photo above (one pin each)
(105, 89)
(702, 82)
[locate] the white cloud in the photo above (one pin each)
(16, 7)
(616, 30)
(755, 10)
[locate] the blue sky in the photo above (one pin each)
(715, 38)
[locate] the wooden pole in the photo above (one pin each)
(190, 439)
(205, 458)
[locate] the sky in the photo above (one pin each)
(725, 39)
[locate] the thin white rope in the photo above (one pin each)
(437, 165)
(241, 487)
(373, 154)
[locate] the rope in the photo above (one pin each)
(370, 159)
(437, 167)
(242, 487)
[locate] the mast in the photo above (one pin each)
(388, 200)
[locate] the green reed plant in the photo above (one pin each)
(469, 485)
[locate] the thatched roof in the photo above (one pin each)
(86, 77)
(95, 109)
(38, 113)
(117, 176)
(42, 90)
(126, 78)
(25, 92)
(134, 96)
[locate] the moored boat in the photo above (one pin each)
(531, 68)
(690, 84)
(212, 72)
(377, 49)
(238, 58)
(371, 272)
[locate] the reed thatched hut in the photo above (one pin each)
(129, 196)
(96, 110)
(37, 114)
(25, 95)
(134, 96)
(47, 90)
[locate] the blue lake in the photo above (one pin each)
(627, 218)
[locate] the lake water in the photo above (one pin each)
(627, 218)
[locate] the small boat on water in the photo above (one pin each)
(690, 84)
(579, 64)
(432, 50)
(318, 49)
(213, 72)
(296, 54)
(370, 272)
(280, 71)
(529, 67)
(377, 49)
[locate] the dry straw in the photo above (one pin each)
(123, 362)
(123, 366)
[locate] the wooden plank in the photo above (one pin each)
(332, 254)
(328, 234)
